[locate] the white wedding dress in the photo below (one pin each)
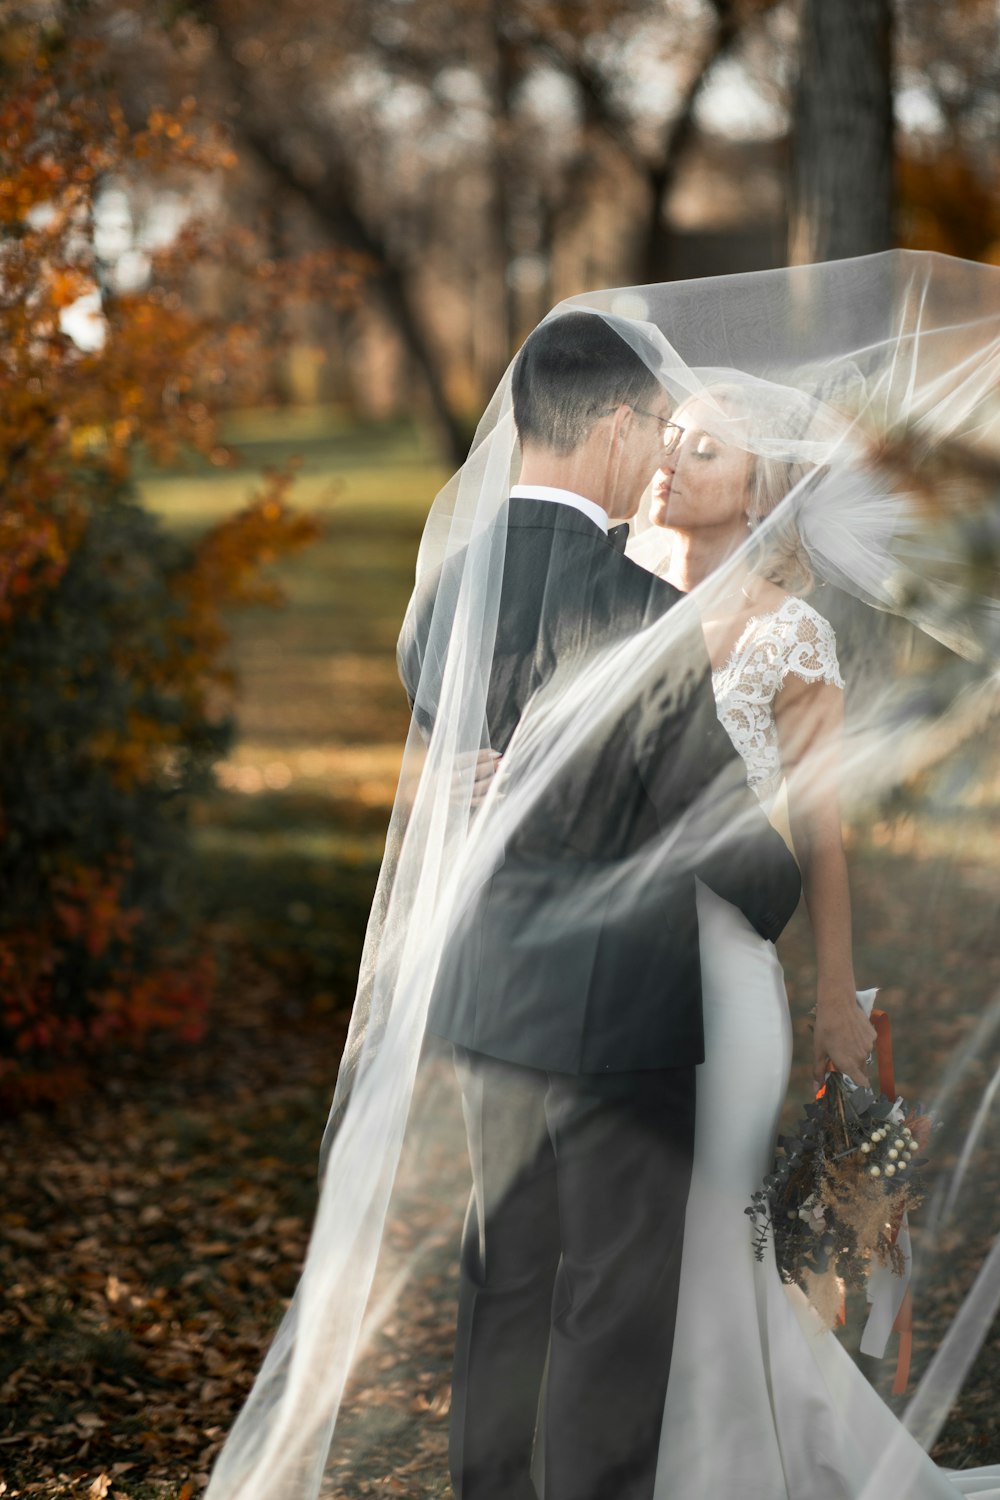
(763, 1402)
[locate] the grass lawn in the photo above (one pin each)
(291, 847)
(152, 1231)
(173, 1207)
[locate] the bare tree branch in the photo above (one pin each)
(660, 172)
(332, 198)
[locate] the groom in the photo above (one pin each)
(575, 1016)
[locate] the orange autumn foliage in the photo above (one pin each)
(947, 205)
(117, 695)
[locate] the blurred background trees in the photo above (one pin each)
(116, 694)
(357, 208)
(242, 235)
(489, 157)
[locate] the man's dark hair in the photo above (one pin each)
(573, 369)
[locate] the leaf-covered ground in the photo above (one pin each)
(152, 1231)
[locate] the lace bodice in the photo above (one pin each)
(793, 638)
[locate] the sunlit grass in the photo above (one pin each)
(300, 843)
(388, 472)
(291, 846)
(365, 773)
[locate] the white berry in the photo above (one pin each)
(893, 1153)
(890, 1170)
(866, 1146)
(875, 1171)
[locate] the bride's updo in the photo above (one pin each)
(781, 557)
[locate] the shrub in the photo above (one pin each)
(115, 695)
(115, 705)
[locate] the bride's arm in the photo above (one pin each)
(809, 717)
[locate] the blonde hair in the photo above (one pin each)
(782, 557)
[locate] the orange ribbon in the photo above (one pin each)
(904, 1327)
(883, 1053)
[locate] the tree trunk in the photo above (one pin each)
(335, 205)
(655, 237)
(334, 209)
(496, 339)
(841, 170)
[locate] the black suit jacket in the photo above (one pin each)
(580, 953)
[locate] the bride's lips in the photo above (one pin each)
(663, 490)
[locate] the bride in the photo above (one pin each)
(800, 1419)
(759, 487)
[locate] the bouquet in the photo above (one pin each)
(841, 1185)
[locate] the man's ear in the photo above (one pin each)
(621, 422)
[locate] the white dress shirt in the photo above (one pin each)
(588, 508)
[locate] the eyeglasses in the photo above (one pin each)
(671, 432)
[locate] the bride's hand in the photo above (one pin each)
(484, 765)
(487, 765)
(843, 1038)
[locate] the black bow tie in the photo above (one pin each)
(618, 536)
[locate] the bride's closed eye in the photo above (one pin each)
(705, 448)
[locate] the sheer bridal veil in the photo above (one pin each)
(873, 387)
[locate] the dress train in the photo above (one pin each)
(763, 1402)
